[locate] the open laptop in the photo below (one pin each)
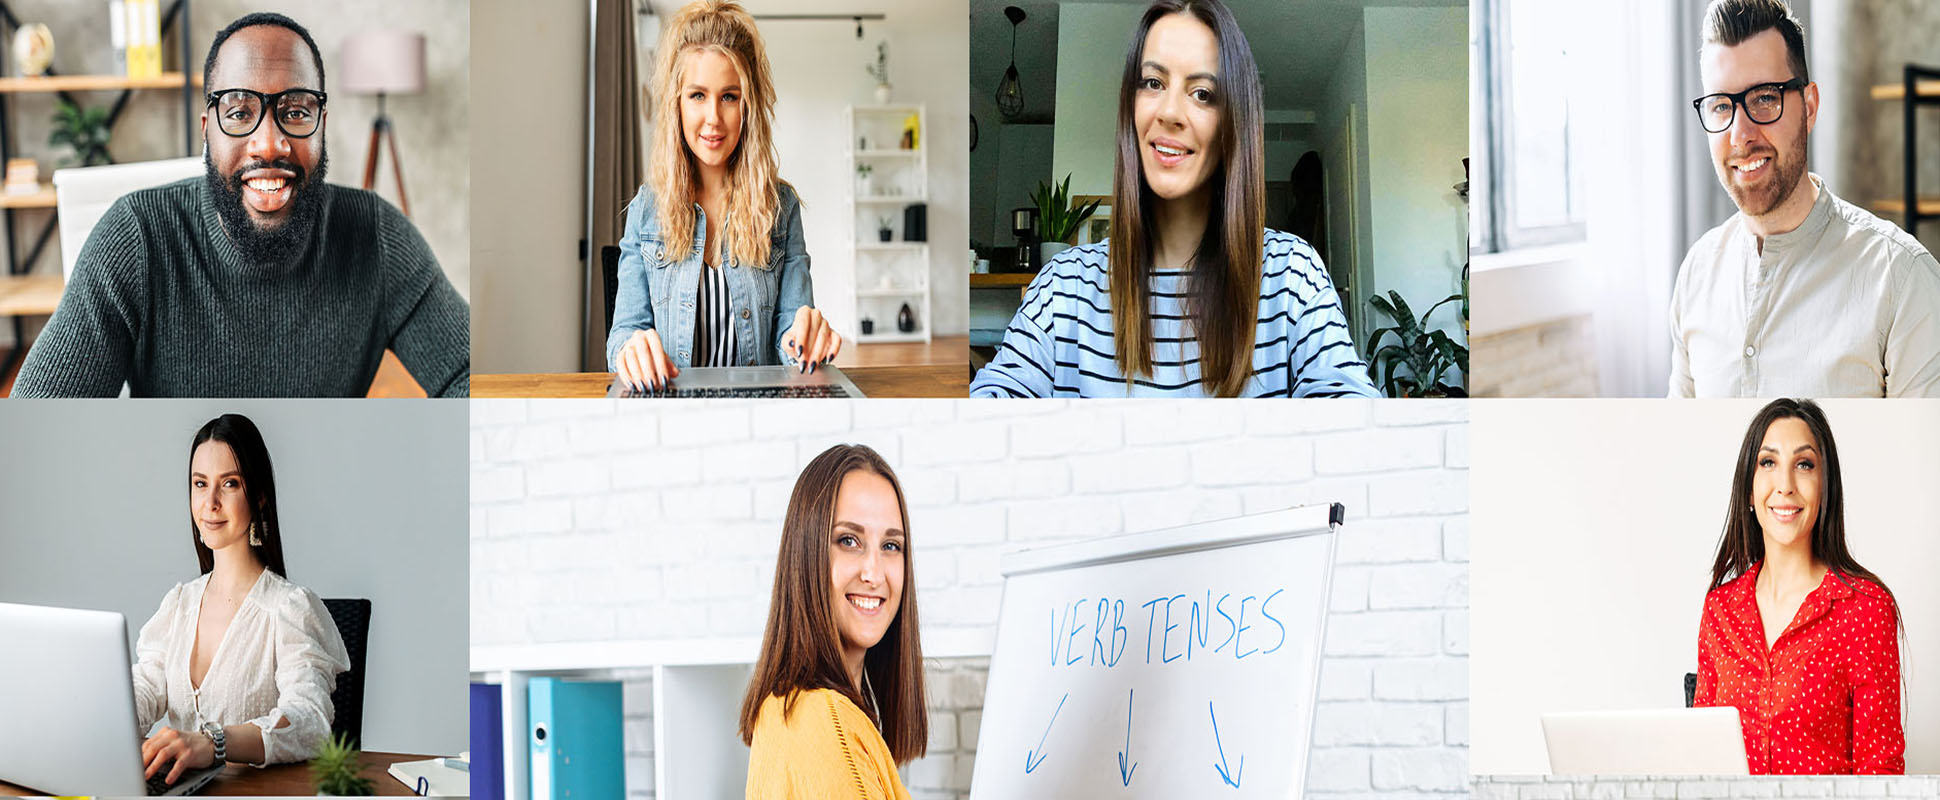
(1681, 741)
(764, 382)
(69, 726)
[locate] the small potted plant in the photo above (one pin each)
(1057, 219)
(880, 71)
(862, 178)
(85, 130)
(334, 770)
(1415, 365)
(883, 230)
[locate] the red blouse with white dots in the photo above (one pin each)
(1825, 698)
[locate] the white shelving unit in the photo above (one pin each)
(888, 275)
(698, 685)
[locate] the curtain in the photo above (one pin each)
(615, 164)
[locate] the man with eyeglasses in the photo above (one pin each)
(1800, 293)
(258, 279)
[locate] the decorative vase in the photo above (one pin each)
(33, 49)
(886, 234)
(906, 320)
(882, 94)
(1045, 250)
(868, 326)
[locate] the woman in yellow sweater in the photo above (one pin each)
(836, 702)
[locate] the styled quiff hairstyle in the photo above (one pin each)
(754, 197)
(1731, 22)
(1223, 300)
(802, 647)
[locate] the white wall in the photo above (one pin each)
(1417, 118)
(1342, 122)
(1092, 38)
(372, 506)
(530, 214)
(599, 521)
(1600, 521)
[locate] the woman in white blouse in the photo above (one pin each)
(238, 663)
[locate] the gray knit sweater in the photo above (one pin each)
(161, 299)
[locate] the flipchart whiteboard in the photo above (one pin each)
(1175, 663)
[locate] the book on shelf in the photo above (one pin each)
(144, 37)
(23, 176)
(118, 33)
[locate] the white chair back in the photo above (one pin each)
(83, 195)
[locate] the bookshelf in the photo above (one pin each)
(896, 273)
(22, 294)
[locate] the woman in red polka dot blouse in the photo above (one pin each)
(1796, 635)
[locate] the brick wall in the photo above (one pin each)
(592, 521)
(1550, 359)
(1548, 788)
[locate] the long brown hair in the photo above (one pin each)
(1224, 295)
(1742, 544)
(802, 648)
(259, 488)
(754, 193)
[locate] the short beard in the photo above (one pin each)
(1790, 169)
(286, 243)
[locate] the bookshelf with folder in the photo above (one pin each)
(697, 689)
(23, 294)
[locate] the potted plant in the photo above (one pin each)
(1414, 367)
(85, 130)
(1057, 220)
(882, 229)
(862, 178)
(880, 71)
(334, 770)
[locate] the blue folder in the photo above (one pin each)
(488, 742)
(573, 729)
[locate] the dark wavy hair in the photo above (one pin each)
(1742, 543)
(802, 647)
(259, 488)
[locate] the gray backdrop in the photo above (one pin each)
(373, 498)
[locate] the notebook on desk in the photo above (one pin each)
(756, 382)
(69, 725)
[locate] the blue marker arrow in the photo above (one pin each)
(1029, 755)
(1123, 773)
(1231, 779)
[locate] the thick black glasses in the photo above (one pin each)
(240, 111)
(1763, 103)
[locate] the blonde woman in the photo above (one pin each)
(713, 272)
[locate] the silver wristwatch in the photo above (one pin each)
(221, 740)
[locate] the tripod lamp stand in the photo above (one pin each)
(384, 63)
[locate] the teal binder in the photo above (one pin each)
(573, 728)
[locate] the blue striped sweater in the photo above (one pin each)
(1060, 343)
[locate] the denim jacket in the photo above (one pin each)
(660, 276)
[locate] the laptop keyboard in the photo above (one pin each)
(763, 392)
(159, 785)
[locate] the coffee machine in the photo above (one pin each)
(1023, 222)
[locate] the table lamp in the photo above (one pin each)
(383, 63)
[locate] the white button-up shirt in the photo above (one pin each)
(1846, 305)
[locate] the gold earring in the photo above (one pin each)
(255, 534)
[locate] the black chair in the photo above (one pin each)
(1690, 689)
(610, 278)
(353, 624)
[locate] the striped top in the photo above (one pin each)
(1060, 343)
(713, 320)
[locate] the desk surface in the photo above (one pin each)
(933, 380)
(285, 780)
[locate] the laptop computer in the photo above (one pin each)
(1680, 741)
(69, 726)
(761, 382)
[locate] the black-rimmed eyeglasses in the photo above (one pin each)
(1763, 103)
(240, 111)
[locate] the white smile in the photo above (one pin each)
(1170, 151)
(1752, 166)
(1786, 514)
(267, 184)
(865, 602)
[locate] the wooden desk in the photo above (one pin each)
(285, 780)
(934, 380)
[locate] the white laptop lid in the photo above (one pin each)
(69, 726)
(1680, 741)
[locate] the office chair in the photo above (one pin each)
(1690, 689)
(353, 624)
(610, 278)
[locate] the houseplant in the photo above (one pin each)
(1414, 366)
(880, 71)
(334, 770)
(883, 231)
(1057, 220)
(85, 130)
(862, 172)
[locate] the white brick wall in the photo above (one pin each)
(1548, 788)
(594, 520)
